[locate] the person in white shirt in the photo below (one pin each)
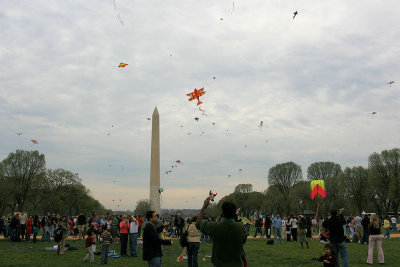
(394, 223)
(133, 235)
(358, 229)
(293, 227)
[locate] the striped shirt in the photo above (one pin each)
(106, 236)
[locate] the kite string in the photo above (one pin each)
(118, 14)
(315, 220)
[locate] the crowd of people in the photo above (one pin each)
(226, 234)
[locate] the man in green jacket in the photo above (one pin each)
(227, 236)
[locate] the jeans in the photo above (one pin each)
(394, 226)
(267, 232)
(258, 230)
(203, 236)
(52, 230)
(294, 233)
(193, 252)
(387, 233)
(133, 244)
(365, 238)
(341, 249)
(104, 253)
(28, 237)
(124, 244)
(277, 232)
(155, 262)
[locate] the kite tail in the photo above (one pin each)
(204, 112)
(199, 103)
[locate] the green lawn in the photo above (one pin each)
(258, 254)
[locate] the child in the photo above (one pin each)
(90, 241)
(105, 239)
(329, 256)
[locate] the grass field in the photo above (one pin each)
(258, 254)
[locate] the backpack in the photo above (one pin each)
(57, 235)
(183, 238)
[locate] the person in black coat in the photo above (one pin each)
(365, 224)
(152, 241)
(334, 224)
(179, 223)
(268, 224)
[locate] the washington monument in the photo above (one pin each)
(155, 163)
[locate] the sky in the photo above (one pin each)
(313, 80)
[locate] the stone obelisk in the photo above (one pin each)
(155, 163)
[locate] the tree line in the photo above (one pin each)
(26, 185)
(355, 189)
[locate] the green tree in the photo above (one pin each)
(23, 170)
(142, 206)
(244, 188)
(384, 170)
(284, 176)
(356, 187)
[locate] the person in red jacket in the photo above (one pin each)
(29, 228)
(140, 221)
(123, 232)
(71, 226)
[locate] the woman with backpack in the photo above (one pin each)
(61, 235)
(193, 243)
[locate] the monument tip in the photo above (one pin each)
(155, 110)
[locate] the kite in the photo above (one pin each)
(261, 124)
(196, 94)
(122, 65)
(318, 187)
(229, 176)
(178, 161)
(213, 123)
(118, 14)
(221, 19)
(34, 141)
(19, 134)
(189, 133)
(295, 14)
(390, 83)
(196, 119)
(240, 170)
(373, 113)
(148, 119)
(214, 78)
(204, 112)
(160, 190)
(211, 196)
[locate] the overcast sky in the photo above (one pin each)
(314, 82)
